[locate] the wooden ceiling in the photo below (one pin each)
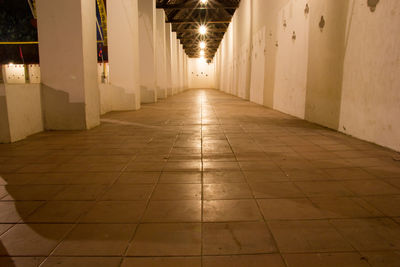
(186, 17)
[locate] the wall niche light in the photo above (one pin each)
(372, 4)
(322, 23)
(307, 9)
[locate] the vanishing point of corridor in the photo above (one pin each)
(200, 179)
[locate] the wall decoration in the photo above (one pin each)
(372, 4)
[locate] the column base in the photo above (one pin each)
(161, 93)
(114, 98)
(147, 95)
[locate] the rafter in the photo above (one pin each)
(186, 16)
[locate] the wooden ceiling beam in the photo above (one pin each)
(196, 21)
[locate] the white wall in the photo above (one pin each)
(291, 59)
(147, 39)
(123, 56)
(23, 111)
(344, 76)
(161, 54)
(201, 74)
(370, 106)
(34, 73)
(68, 58)
(168, 58)
(13, 73)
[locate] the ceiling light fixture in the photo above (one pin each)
(203, 2)
(202, 45)
(202, 29)
(202, 53)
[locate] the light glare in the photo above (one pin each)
(202, 45)
(203, 2)
(202, 53)
(203, 29)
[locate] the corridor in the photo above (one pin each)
(200, 179)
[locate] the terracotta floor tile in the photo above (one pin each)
(322, 188)
(227, 191)
(162, 262)
(345, 207)
(237, 238)
(371, 187)
(59, 212)
(220, 166)
(307, 236)
(289, 209)
(276, 190)
(32, 239)
(21, 261)
(80, 192)
(370, 234)
(180, 177)
(128, 192)
(325, 259)
(96, 240)
(14, 211)
(82, 262)
(177, 191)
(263, 176)
(223, 177)
(199, 173)
(230, 210)
(32, 192)
(383, 258)
(173, 211)
(261, 260)
(178, 239)
(115, 212)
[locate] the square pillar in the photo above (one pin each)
(123, 91)
(68, 62)
(168, 38)
(147, 37)
(161, 54)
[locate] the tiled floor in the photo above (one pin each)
(199, 179)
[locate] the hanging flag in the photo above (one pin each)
(100, 51)
(21, 55)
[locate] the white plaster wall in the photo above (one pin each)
(161, 54)
(168, 50)
(68, 61)
(61, 64)
(180, 65)
(24, 110)
(175, 66)
(34, 73)
(201, 74)
(370, 106)
(291, 59)
(242, 49)
(13, 73)
(147, 38)
(103, 68)
(342, 77)
(4, 125)
(258, 67)
(123, 53)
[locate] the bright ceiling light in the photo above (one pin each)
(203, 29)
(202, 45)
(202, 53)
(203, 2)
